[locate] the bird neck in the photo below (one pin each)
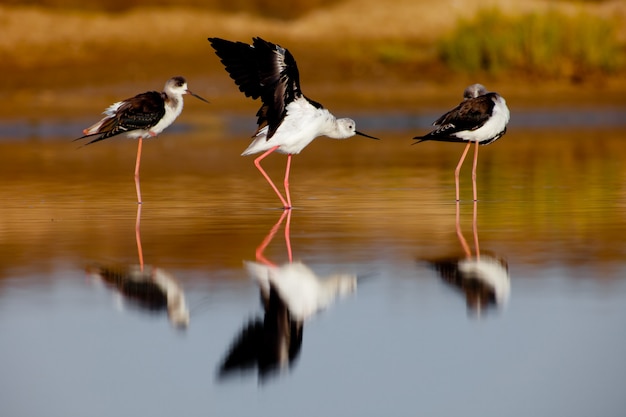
(331, 127)
(173, 102)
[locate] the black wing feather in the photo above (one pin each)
(140, 112)
(259, 344)
(470, 114)
(264, 70)
(240, 61)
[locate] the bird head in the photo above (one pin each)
(178, 86)
(473, 91)
(346, 128)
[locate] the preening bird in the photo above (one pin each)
(480, 118)
(287, 120)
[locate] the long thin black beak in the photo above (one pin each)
(197, 96)
(367, 136)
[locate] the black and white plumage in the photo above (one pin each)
(291, 295)
(269, 344)
(153, 289)
(481, 117)
(483, 279)
(302, 291)
(287, 120)
(142, 116)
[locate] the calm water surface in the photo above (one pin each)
(552, 210)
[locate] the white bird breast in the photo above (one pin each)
(171, 113)
(302, 123)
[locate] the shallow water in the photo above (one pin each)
(552, 205)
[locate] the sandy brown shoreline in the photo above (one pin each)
(71, 64)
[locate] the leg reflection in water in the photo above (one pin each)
(271, 343)
(138, 236)
(291, 294)
(149, 288)
(260, 257)
(482, 277)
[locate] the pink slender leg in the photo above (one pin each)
(138, 237)
(286, 181)
(459, 234)
(474, 172)
(288, 235)
(475, 229)
(137, 186)
(261, 248)
(458, 170)
(257, 163)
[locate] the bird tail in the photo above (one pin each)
(94, 129)
(98, 139)
(424, 138)
(419, 139)
(105, 128)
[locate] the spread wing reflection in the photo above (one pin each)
(291, 294)
(149, 288)
(270, 343)
(482, 277)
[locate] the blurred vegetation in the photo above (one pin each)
(59, 48)
(549, 44)
(277, 9)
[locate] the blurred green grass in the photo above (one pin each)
(551, 44)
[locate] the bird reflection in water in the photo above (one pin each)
(150, 288)
(482, 277)
(290, 294)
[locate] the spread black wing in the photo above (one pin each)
(264, 70)
(260, 343)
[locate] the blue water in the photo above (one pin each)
(405, 343)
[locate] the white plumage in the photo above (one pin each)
(481, 118)
(287, 120)
(303, 123)
(302, 291)
(142, 116)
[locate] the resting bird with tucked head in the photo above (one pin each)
(480, 118)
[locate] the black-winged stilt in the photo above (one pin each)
(480, 118)
(143, 116)
(270, 344)
(287, 121)
(301, 290)
(483, 277)
(290, 294)
(149, 287)
(484, 281)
